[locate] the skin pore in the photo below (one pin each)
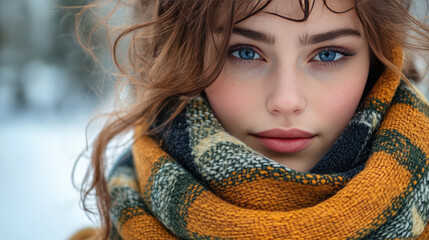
(283, 78)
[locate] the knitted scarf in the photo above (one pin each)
(202, 183)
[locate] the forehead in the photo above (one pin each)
(294, 7)
(289, 9)
(322, 14)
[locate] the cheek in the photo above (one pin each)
(340, 104)
(231, 100)
(226, 100)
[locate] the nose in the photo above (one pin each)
(286, 94)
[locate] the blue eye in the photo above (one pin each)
(246, 53)
(328, 56)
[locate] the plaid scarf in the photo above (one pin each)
(205, 184)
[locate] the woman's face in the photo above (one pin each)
(288, 89)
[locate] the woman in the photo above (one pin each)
(268, 120)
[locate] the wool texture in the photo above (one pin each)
(202, 183)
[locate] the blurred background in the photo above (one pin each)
(47, 98)
(49, 90)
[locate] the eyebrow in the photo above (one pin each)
(257, 36)
(331, 35)
(303, 40)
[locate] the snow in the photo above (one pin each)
(37, 152)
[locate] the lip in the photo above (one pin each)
(285, 141)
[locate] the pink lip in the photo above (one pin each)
(285, 141)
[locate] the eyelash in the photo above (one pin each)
(235, 48)
(328, 64)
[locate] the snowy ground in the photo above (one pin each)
(37, 153)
